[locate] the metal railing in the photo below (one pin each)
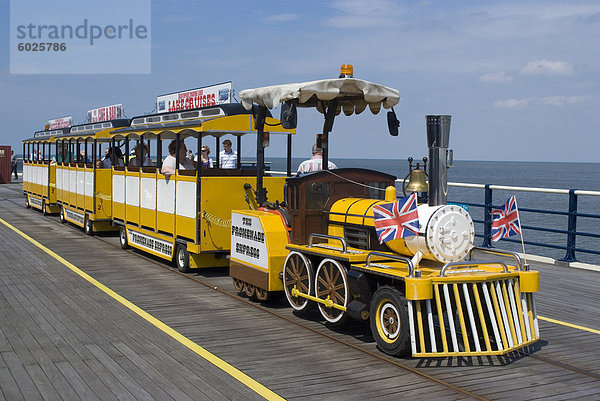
(571, 231)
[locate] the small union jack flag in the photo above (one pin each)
(506, 220)
(396, 220)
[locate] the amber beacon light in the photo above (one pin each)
(346, 71)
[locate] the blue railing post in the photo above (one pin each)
(572, 228)
(487, 218)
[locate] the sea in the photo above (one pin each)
(552, 175)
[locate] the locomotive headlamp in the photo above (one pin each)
(346, 71)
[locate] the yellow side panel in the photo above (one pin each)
(165, 222)
(118, 208)
(52, 184)
(148, 218)
(186, 227)
(103, 194)
(132, 214)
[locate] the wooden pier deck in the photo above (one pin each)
(63, 336)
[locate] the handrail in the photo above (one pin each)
(498, 252)
(465, 264)
(409, 263)
(325, 236)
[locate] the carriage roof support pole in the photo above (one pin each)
(198, 188)
(289, 155)
(260, 155)
(327, 127)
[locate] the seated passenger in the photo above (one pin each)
(206, 161)
(168, 166)
(315, 163)
(114, 158)
(141, 157)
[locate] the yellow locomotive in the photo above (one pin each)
(424, 295)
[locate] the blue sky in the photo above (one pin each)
(520, 79)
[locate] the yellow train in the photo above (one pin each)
(313, 238)
(423, 295)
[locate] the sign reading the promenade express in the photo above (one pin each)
(194, 98)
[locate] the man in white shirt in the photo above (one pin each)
(227, 157)
(315, 163)
(168, 166)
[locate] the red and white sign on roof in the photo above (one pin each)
(62, 122)
(195, 98)
(105, 113)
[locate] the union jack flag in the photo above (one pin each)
(506, 220)
(396, 220)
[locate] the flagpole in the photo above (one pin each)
(521, 233)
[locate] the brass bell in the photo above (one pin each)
(417, 182)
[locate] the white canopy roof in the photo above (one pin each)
(353, 95)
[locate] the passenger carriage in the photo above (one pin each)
(39, 171)
(185, 217)
(83, 190)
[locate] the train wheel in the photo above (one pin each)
(27, 205)
(297, 272)
(262, 294)
(44, 211)
(331, 282)
(238, 284)
(182, 259)
(249, 290)
(61, 215)
(389, 321)
(88, 226)
(122, 237)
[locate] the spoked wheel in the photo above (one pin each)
(61, 215)
(262, 294)
(88, 226)
(122, 237)
(238, 284)
(331, 282)
(182, 259)
(249, 290)
(297, 272)
(389, 321)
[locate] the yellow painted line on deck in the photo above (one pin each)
(574, 326)
(215, 360)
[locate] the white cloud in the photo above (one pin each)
(282, 17)
(547, 67)
(530, 101)
(496, 77)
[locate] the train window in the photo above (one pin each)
(316, 195)
(106, 125)
(211, 112)
(153, 119)
(89, 127)
(137, 121)
(169, 117)
(97, 126)
(374, 192)
(190, 114)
